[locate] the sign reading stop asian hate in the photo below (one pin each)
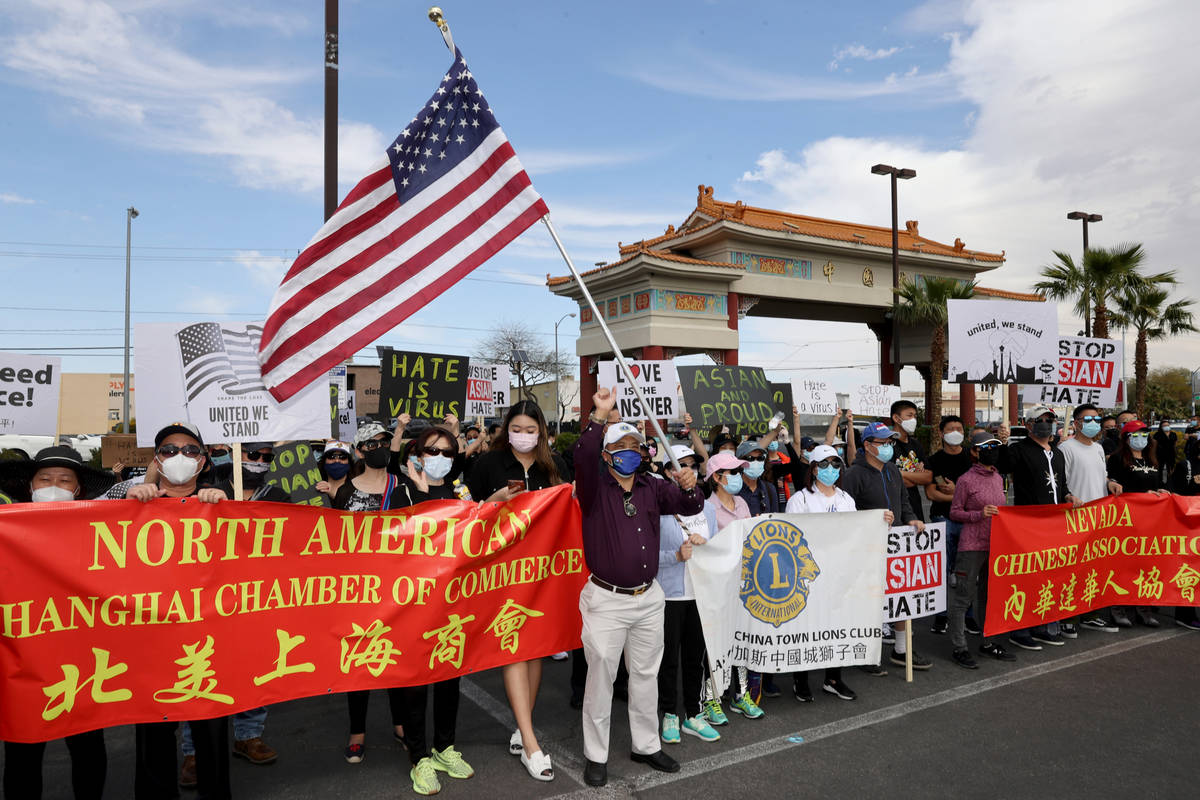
(295, 471)
(1051, 562)
(1089, 371)
(739, 397)
(115, 612)
(916, 572)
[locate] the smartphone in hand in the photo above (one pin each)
(516, 486)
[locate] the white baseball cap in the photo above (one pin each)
(619, 431)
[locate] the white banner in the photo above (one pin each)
(1002, 341)
(789, 592)
(813, 395)
(29, 391)
(657, 380)
(874, 400)
(916, 572)
(1089, 371)
(207, 373)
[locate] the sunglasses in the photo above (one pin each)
(219, 453)
(630, 508)
(448, 452)
(687, 464)
(736, 471)
(991, 446)
(371, 444)
(254, 455)
(337, 456)
(189, 450)
(830, 462)
(755, 458)
(1091, 418)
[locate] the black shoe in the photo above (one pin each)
(769, 689)
(1045, 637)
(802, 692)
(972, 627)
(874, 670)
(963, 659)
(1070, 630)
(1146, 618)
(838, 688)
(940, 625)
(1023, 640)
(659, 761)
(595, 774)
(996, 651)
(918, 661)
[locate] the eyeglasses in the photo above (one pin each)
(448, 452)
(371, 444)
(830, 462)
(755, 458)
(254, 455)
(189, 450)
(1091, 418)
(630, 508)
(337, 456)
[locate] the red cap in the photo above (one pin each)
(1133, 426)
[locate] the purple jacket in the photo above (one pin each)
(978, 487)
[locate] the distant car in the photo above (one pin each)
(27, 446)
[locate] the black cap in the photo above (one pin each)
(186, 428)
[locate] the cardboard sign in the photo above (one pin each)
(481, 395)
(423, 385)
(295, 471)
(1002, 341)
(656, 379)
(207, 373)
(333, 410)
(347, 423)
(1089, 371)
(873, 399)
(123, 447)
(815, 396)
(29, 389)
(783, 399)
(739, 397)
(337, 376)
(916, 572)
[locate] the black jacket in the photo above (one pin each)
(1031, 470)
(872, 488)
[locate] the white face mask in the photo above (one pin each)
(437, 467)
(52, 494)
(257, 467)
(179, 468)
(909, 425)
(523, 442)
(953, 438)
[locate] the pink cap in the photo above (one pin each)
(723, 460)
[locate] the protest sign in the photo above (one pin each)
(333, 410)
(656, 379)
(739, 397)
(814, 396)
(1002, 341)
(782, 399)
(122, 447)
(793, 592)
(502, 385)
(873, 399)
(1051, 562)
(29, 389)
(916, 572)
(175, 609)
(347, 418)
(207, 374)
(295, 471)
(423, 385)
(481, 394)
(1089, 371)
(337, 376)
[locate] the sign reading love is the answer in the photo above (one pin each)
(656, 379)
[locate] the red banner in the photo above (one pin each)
(1052, 562)
(117, 612)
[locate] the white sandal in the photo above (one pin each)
(538, 766)
(514, 743)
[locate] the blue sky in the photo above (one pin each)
(206, 116)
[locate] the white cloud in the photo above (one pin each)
(1091, 109)
(543, 162)
(264, 269)
(15, 199)
(861, 52)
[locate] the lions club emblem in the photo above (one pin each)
(777, 572)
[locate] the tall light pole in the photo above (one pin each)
(557, 400)
(901, 174)
(130, 213)
(1087, 297)
(331, 106)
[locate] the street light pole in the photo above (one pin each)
(331, 106)
(901, 174)
(130, 213)
(557, 399)
(1087, 297)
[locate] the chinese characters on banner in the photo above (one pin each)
(1052, 562)
(916, 572)
(169, 610)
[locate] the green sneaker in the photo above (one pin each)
(698, 726)
(450, 761)
(713, 713)
(424, 777)
(746, 707)
(670, 729)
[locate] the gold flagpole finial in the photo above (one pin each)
(436, 17)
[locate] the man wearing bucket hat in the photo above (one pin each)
(56, 473)
(622, 604)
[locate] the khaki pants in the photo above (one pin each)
(613, 623)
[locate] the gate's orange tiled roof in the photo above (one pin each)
(1003, 294)
(632, 252)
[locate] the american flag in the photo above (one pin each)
(215, 355)
(450, 195)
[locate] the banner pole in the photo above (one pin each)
(908, 650)
(596, 315)
(237, 470)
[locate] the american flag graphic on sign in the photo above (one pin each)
(215, 355)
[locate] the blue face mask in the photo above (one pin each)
(337, 469)
(1090, 429)
(885, 453)
(828, 475)
(221, 461)
(773, 446)
(626, 462)
(754, 469)
(733, 484)
(808, 455)
(841, 451)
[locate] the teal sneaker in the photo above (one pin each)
(698, 726)
(450, 761)
(424, 777)
(670, 729)
(713, 713)
(746, 707)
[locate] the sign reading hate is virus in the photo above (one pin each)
(423, 385)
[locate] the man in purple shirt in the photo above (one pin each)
(621, 604)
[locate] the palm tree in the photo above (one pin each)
(1145, 310)
(924, 303)
(1065, 281)
(1106, 273)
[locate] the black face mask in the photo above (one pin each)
(252, 480)
(1111, 433)
(1042, 429)
(989, 457)
(378, 458)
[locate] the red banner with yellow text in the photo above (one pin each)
(1052, 562)
(117, 612)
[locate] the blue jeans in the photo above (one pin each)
(246, 725)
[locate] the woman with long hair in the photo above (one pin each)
(1135, 465)
(519, 459)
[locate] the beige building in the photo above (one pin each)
(91, 402)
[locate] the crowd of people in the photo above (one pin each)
(641, 522)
